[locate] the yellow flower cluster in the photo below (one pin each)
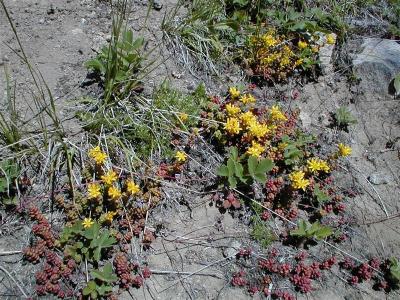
(234, 92)
(248, 98)
(315, 165)
(330, 39)
(132, 187)
(256, 149)
(181, 156)
(110, 177)
(232, 126)
(277, 114)
(114, 193)
(232, 109)
(269, 40)
(302, 44)
(93, 191)
(97, 155)
(183, 117)
(298, 180)
(248, 118)
(272, 56)
(344, 150)
(258, 130)
(109, 216)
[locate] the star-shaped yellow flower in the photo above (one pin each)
(114, 193)
(110, 177)
(93, 190)
(132, 187)
(181, 156)
(87, 223)
(97, 155)
(344, 150)
(232, 126)
(234, 92)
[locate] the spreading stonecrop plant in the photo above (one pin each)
(278, 171)
(101, 221)
(275, 56)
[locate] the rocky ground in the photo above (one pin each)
(193, 258)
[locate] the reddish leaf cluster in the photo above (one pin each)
(124, 270)
(49, 280)
(238, 279)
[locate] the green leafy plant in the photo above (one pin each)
(261, 232)
(86, 243)
(307, 231)
(101, 284)
(343, 118)
(292, 151)
(9, 173)
(234, 170)
(396, 84)
(394, 271)
(118, 64)
(320, 195)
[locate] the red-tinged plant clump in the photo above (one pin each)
(103, 217)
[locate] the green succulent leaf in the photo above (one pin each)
(105, 275)
(100, 243)
(92, 232)
(223, 171)
(104, 289)
(90, 288)
(320, 195)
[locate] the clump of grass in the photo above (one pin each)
(149, 124)
(200, 37)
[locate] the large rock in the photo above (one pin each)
(376, 65)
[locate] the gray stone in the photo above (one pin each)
(379, 178)
(76, 31)
(232, 249)
(376, 65)
(157, 5)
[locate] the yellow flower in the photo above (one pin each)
(277, 114)
(87, 223)
(181, 156)
(324, 166)
(248, 118)
(132, 187)
(97, 155)
(296, 175)
(114, 193)
(301, 184)
(110, 177)
(299, 62)
(330, 39)
(93, 191)
(315, 164)
(344, 150)
(234, 92)
(302, 44)
(248, 98)
(183, 117)
(256, 149)
(109, 216)
(282, 146)
(269, 40)
(232, 126)
(298, 180)
(258, 130)
(315, 49)
(232, 110)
